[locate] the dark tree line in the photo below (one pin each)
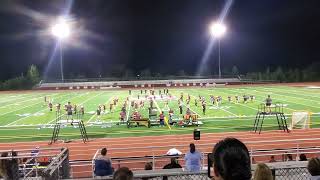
(279, 74)
(22, 81)
(308, 73)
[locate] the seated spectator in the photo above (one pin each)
(193, 159)
(272, 159)
(173, 164)
(289, 157)
(314, 168)
(231, 160)
(103, 164)
(123, 173)
(148, 166)
(303, 157)
(263, 172)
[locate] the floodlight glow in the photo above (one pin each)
(61, 30)
(217, 30)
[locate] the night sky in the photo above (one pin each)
(166, 36)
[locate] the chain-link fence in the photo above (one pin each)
(166, 174)
(297, 173)
(178, 177)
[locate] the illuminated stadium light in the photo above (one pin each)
(61, 30)
(218, 30)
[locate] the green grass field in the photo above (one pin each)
(26, 117)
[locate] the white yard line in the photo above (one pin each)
(79, 105)
(229, 112)
(218, 106)
(262, 98)
(208, 119)
(250, 106)
(20, 102)
(33, 113)
(298, 93)
(20, 108)
(155, 102)
(192, 109)
(19, 97)
(94, 115)
(290, 101)
(293, 96)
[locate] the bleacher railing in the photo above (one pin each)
(257, 155)
(139, 78)
(44, 163)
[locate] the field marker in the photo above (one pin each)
(38, 111)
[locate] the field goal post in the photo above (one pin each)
(300, 119)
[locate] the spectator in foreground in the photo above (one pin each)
(13, 167)
(231, 160)
(263, 172)
(272, 159)
(103, 164)
(3, 166)
(193, 159)
(314, 168)
(123, 173)
(303, 157)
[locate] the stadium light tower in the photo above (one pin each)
(217, 30)
(61, 30)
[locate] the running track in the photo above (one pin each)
(141, 146)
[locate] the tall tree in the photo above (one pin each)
(146, 73)
(33, 74)
(279, 75)
(181, 73)
(235, 71)
(268, 74)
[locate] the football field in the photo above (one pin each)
(25, 116)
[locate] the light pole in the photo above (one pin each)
(61, 31)
(217, 30)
